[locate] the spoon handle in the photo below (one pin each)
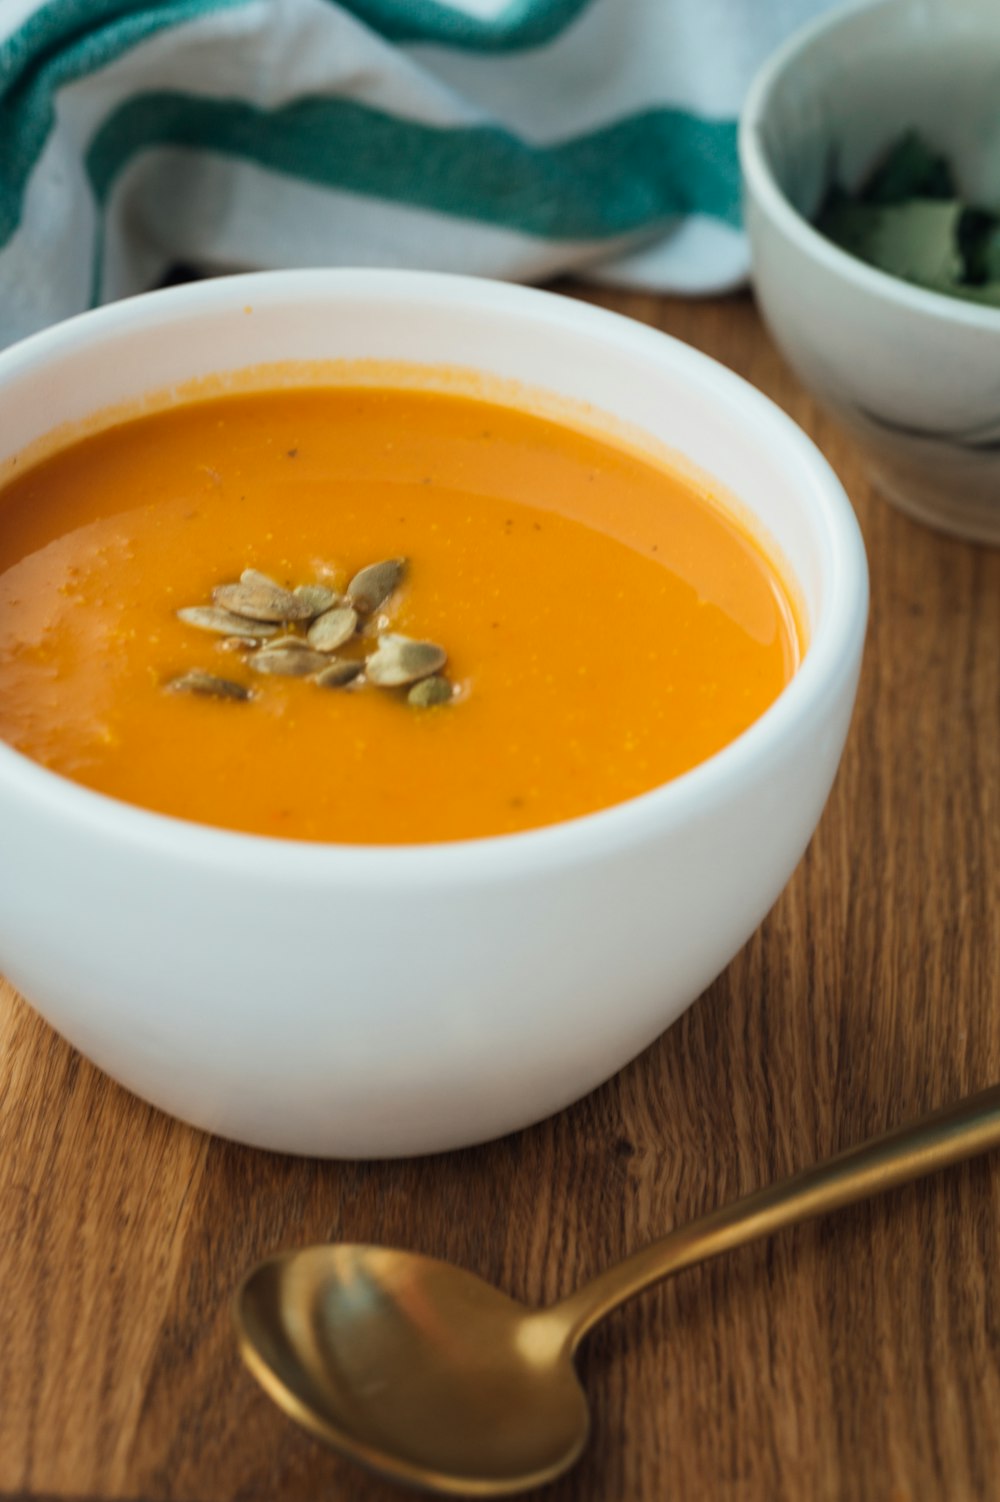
(959, 1131)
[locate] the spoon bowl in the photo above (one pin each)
(415, 1367)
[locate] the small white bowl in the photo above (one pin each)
(914, 374)
(372, 1001)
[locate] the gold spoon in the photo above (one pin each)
(433, 1377)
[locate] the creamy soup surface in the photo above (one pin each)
(607, 626)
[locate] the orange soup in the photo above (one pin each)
(606, 625)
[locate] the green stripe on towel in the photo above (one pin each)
(629, 175)
(519, 25)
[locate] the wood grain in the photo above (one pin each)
(857, 1358)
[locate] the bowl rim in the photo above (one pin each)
(760, 180)
(830, 661)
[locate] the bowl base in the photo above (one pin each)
(949, 506)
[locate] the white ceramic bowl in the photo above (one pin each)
(353, 1001)
(914, 374)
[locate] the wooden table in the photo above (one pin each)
(858, 1357)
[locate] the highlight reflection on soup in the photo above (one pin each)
(598, 625)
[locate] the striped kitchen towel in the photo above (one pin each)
(509, 138)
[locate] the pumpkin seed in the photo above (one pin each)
(373, 585)
(288, 662)
(430, 691)
(293, 643)
(399, 660)
(207, 684)
(339, 674)
(211, 618)
(317, 597)
(331, 629)
(260, 599)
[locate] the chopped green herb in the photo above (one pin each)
(909, 219)
(979, 243)
(910, 169)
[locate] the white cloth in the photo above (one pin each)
(509, 138)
